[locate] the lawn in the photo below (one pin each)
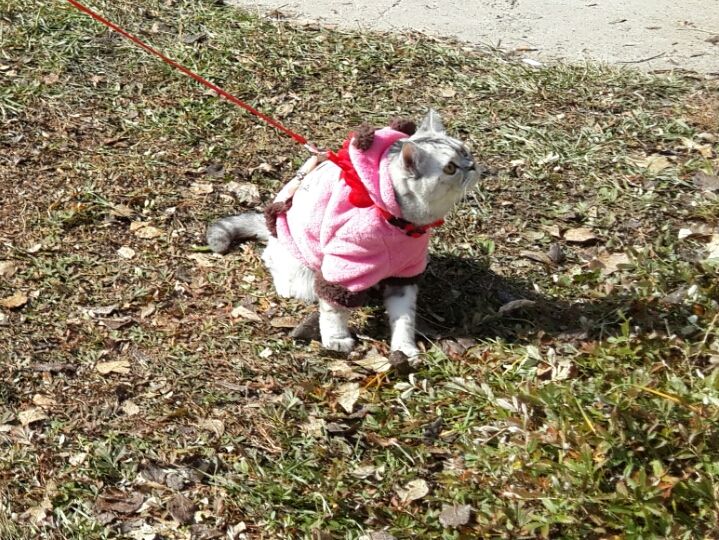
(569, 386)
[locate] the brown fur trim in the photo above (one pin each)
(337, 294)
(400, 281)
(405, 125)
(271, 212)
(364, 137)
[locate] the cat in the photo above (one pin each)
(358, 221)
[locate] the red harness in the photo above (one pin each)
(360, 198)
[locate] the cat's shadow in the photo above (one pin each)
(461, 298)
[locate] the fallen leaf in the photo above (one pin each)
(365, 471)
(263, 167)
(147, 311)
(34, 248)
(215, 170)
(242, 311)
(17, 300)
(115, 323)
(126, 252)
(714, 40)
(609, 263)
(378, 535)
(375, 362)
(447, 92)
(201, 188)
(516, 305)
(655, 163)
(308, 329)
(347, 395)
(101, 311)
(214, 425)
(113, 366)
(148, 232)
(189, 39)
(455, 515)
(202, 260)
(182, 509)
(706, 182)
(114, 500)
(130, 408)
(536, 256)
(120, 210)
(713, 248)
(51, 79)
(413, 490)
(580, 235)
(30, 416)
(43, 401)
(77, 459)
(244, 192)
(283, 322)
(7, 269)
(555, 253)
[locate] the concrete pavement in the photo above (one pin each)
(649, 34)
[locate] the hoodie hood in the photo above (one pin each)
(372, 166)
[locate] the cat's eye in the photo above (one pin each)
(450, 168)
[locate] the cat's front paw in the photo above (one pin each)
(409, 349)
(345, 344)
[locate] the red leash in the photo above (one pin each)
(229, 97)
(359, 196)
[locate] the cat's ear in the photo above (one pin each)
(432, 123)
(411, 156)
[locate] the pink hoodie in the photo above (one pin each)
(353, 247)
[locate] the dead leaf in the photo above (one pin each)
(455, 515)
(654, 163)
(202, 260)
(347, 395)
(215, 425)
(706, 182)
(115, 323)
(244, 192)
(580, 235)
(366, 471)
(113, 366)
(77, 459)
(378, 535)
(17, 300)
(30, 416)
(242, 311)
(284, 322)
(101, 311)
(201, 188)
(413, 490)
(34, 248)
(130, 408)
(189, 39)
(375, 362)
(147, 232)
(713, 248)
(120, 210)
(182, 509)
(263, 167)
(447, 92)
(114, 500)
(609, 263)
(555, 253)
(126, 252)
(536, 256)
(7, 269)
(51, 79)
(43, 401)
(516, 305)
(147, 311)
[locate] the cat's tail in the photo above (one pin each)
(226, 232)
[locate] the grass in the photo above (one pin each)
(590, 414)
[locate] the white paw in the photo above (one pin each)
(345, 344)
(409, 349)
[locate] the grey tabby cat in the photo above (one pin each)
(334, 254)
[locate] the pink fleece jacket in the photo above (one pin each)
(353, 247)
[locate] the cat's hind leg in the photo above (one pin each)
(291, 278)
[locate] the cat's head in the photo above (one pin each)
(431, 171)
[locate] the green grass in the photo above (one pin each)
(592, 414)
